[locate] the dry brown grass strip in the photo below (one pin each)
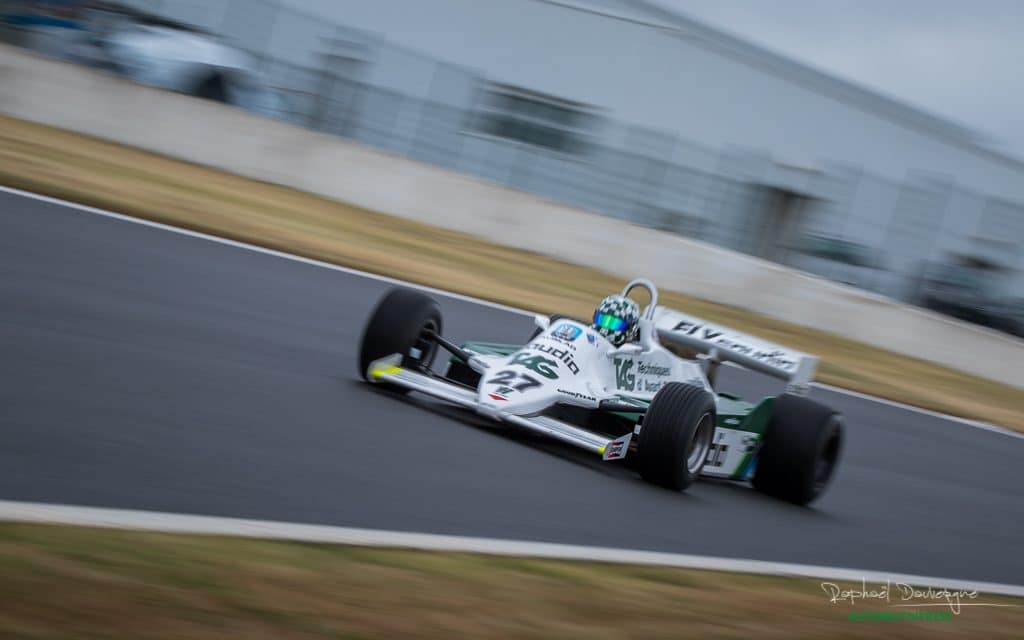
(83, 169)
(87, 583)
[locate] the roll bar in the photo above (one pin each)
(651, 290)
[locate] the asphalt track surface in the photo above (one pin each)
(145, 369)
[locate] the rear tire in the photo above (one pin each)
(676, 435)
(399, 324)
(801, 450)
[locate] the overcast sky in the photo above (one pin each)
(960, 59)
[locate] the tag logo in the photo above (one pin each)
(624, 376)
(544, 366)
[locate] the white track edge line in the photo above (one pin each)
(929, 412)
(456, 296)
(258, 249)
(42, 513)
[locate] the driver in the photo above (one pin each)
(617, 319)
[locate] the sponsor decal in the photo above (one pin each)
(567, 332)
(717, 454)
(616, 449)
(652, 387)
(647, 369)
(575, 394)
(640, 379)
(544, 366)
(702, 331)
(592, 339)
(555, 343)
(624, 376)
(773, 356)
(555, 352)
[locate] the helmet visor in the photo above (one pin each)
(609, 322)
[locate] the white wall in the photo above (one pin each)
(103, 106)
(679, 82)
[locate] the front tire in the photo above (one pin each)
(801, 450)
(676, 435)
(401, 323)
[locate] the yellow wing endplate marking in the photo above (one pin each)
(387, 370)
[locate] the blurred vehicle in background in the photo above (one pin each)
(1010, 316)
(187, 61)
(965, 287)
(838, 259)
(144, 48)
(839, 250)
(49, 26)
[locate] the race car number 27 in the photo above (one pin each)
(508, 377)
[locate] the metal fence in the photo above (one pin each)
(847, 225)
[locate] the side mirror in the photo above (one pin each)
(542, 322)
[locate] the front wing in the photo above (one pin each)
(390, 371)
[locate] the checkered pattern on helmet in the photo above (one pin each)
(624, 308)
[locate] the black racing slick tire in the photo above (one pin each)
(801, 449)
(675, 436)
(402, 322)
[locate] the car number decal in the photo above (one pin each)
(507, 378)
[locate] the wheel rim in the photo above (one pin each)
(425, 345)
(826, 462)
(700, 443)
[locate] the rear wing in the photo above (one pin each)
(729, 345)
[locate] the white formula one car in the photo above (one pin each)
(582, 384)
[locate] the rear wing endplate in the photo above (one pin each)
(729, 345)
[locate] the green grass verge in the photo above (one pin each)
(70, 582)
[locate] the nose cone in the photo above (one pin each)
(521, 397)
(489, 411)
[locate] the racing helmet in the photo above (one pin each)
(617, 319)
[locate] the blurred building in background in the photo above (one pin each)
(616, 106)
